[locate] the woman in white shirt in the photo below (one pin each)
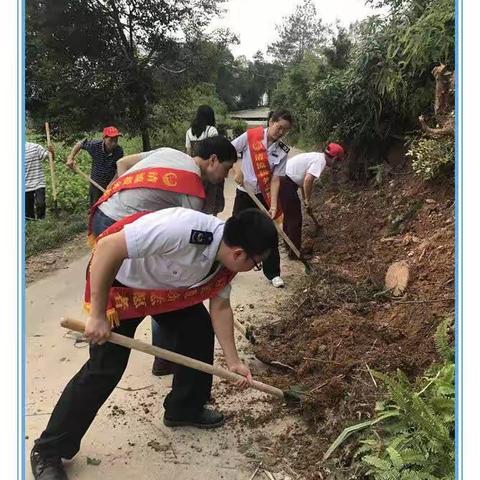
(203, 126)
(264, 143)
(301, 172)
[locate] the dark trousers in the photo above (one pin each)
(88, 390)
(93, 194)
(161, 336)
(292, 210)
(215, 199)
(35, 203)
(271, 265)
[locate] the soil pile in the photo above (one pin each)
(342, 322)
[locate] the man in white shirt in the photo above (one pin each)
(171, 249)
(35, 180)
(301, 172)
(212, 162)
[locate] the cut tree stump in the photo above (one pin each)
(396, 278)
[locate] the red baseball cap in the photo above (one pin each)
(111, 132)
(334, 150)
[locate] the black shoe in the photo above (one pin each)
(47, 467)
(161, 367)
(207, 418)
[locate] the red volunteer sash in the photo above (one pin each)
(125, 303)
(169, 179)
(259, 156)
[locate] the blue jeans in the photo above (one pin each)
(101, 222)
(161, 337)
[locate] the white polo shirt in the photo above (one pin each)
(135, 200)
(303, 163)
(277, 159)
(162, 253)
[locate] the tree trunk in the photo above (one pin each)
(143, 118)
(146, 138)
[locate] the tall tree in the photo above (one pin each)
(122, 50)
(299, 32)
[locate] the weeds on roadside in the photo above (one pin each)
(417, 441)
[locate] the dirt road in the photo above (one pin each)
(128, 438)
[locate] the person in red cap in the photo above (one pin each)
(301, 172)
(105, 154)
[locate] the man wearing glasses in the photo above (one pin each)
(173, 257)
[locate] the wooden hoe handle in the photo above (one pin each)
(93, 182)
(144, 347)
(50, 161)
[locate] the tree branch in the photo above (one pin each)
(163, 67)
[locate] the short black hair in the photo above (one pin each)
(217, 145)
(251, 230)
(281, 115)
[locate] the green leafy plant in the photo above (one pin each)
(381, 85)
(70, 216)
(417, 442)
(432, 157)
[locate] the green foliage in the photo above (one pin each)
(299, 33)
(432, 157)
(418, 443)
(236, 126)
(430, 38)
(70, 215)
(294, 92)
(51, 232)
(173, 117)
(93, 63)
(90, 64)
(72, 189)
(368, 85)
(442, 340)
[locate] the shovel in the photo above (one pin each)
(314, 219)
(289, 396)
(308, 267)
(89, 179)
(52, 170)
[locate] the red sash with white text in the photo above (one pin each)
(259, 156)
(125, 302)
(169, 179)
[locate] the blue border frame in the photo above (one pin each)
(458, 241)
(20, 233)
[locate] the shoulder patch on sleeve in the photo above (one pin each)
(200, 237)
(284, 146)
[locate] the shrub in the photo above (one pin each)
(432, 157)
(236, 126)
(417, 440)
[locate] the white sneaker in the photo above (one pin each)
(277, 282)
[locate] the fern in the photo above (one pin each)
(377, 462)
(417, 442)
(442, 340)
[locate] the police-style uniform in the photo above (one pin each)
(171, 248)
(277, 159)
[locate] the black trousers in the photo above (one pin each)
(292, 210)
(35, 203)
(93, 194)
(88, 390)
(271, 265)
